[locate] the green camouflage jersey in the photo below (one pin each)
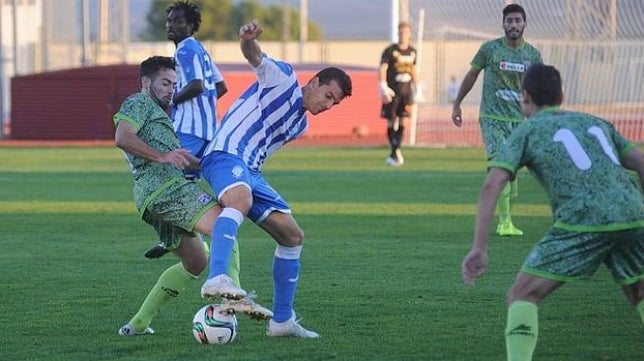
(503, 69)
(576, 158)
(154, 127)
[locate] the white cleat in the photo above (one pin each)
(222, 286)
(391, 161)
(248, 307)
(290, 328)
(128, 330)
(399, 157)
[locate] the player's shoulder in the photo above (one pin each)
(142, 105)
(136, 100)
(189, 45)
(492, 43)
(390, 48)
(272, 63)
(527, 45)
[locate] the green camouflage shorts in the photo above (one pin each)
(566, 255)
(177, 210)
(494, 133)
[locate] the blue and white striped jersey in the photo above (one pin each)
(266, 116)
(197, 116)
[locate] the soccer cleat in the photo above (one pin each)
(222, 286)
(290, 328)
(399, 156)
(392, 162)
(248, 307)
(128, 330)
(506, 228)
(157, 251)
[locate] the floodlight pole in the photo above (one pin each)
(419, 66)
(84, 32)
(2, 81)
(395, 19)
(304, 28)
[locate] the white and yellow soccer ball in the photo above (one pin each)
(212, 326)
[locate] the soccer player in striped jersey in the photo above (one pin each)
(199, 81)
(504, 60)
(199, 85)
(584, 164)
(269, 114)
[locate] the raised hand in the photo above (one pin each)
(250, 31)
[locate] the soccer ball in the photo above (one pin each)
(211, 326)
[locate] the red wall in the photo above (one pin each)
(78, 104)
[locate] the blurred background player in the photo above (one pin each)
(269, 114)
(504, 60)
(398, 86)
(175, 206)
(579, 159)
(452, 89)
(199, 81)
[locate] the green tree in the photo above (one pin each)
(156, 17)
(220, 20)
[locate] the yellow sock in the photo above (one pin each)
(514, 194)
(233, 267)
(640, 310)
(169, 285)
(521, 331)
(503, 204)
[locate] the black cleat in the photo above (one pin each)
(156, 251)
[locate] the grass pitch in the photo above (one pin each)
(380, 268)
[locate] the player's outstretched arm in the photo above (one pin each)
(248, 34)
(127, 139)
(475, 262)
(634, 160)
(463, 90)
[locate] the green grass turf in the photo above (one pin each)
(380, 270)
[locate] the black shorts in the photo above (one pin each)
(401, 104)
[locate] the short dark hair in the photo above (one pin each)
(151, 66)
(326, 75)
(513, 8)
(543, 83)
(190, 11)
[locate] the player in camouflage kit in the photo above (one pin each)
(174, 206)
(504, 60)
(598, 209)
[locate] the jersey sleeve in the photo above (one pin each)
(538, 60)
(271, 72)
(480, 59)
(188, 59)
(130, 112)
(386, 56)
(216, 74)
(622, 144)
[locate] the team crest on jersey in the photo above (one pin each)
(237, 172)
(204, 198)
(516, 67)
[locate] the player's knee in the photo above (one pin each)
(195, 266)
(525, 291)
(195, 259)
(635, 293)
(294, 238)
